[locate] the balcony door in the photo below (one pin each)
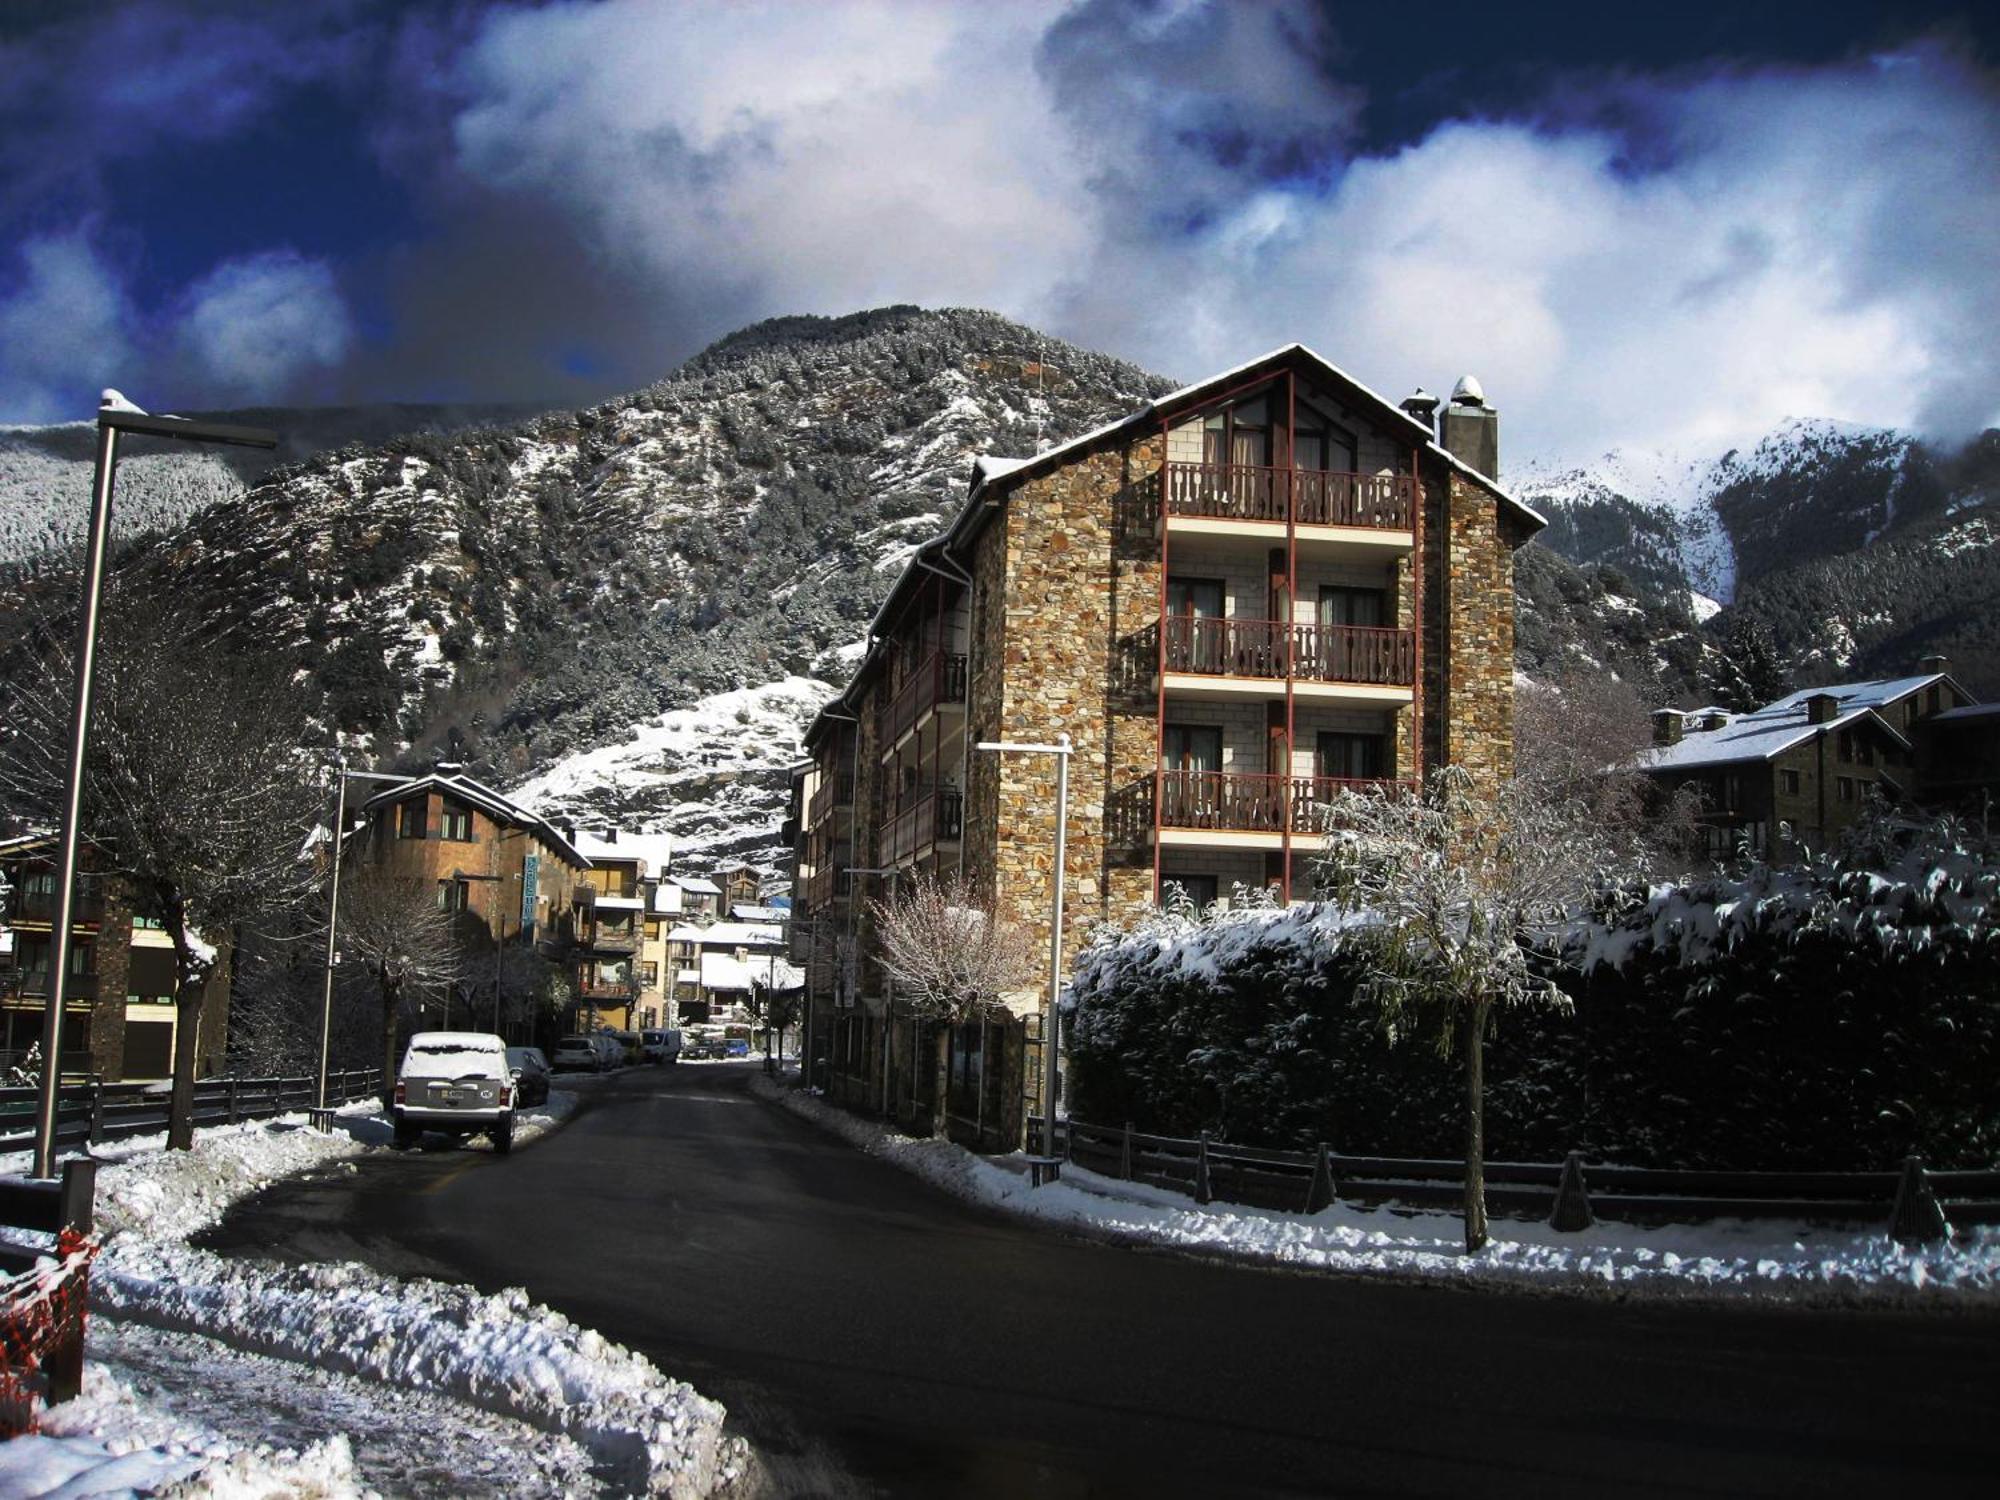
(1194, 644)
(1352, 757)
(1192, 788)
(1236, 447)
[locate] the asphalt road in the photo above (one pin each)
(871, 1335)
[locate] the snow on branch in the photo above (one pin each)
(950, 955)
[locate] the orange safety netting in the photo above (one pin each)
(41, 1315)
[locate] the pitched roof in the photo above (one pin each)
(488, 801)
(989, 469)
(727, 935)
(1877, 694)
(653, 850)
(1757, 736)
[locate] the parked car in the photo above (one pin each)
(579, 1054)
(630, 1048)
(702, 1048)
(456, 1082)
(531, 1075)
(735, 1047)
(610, 1049)
(661, 1046)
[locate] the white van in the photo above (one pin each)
(660, 1046)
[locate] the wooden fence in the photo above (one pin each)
(92, 1113)
(1566, 1193)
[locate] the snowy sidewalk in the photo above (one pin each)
(1729, 1260)
(236, 1377)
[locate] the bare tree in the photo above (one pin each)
(196, 790)
(393, 930)
(951, 957)
(1447, 890)
(1578, 738)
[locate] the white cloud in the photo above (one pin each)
(254, 327)
(1817, 242)
(63, 331)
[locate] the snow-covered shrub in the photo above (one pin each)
(1835, 1016)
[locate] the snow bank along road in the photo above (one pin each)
(870, 1334)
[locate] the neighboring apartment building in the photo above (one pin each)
(718, 965)
(120, 1020)
(1236, 601)
(616, 982)
(510, 876)
(1810, 761)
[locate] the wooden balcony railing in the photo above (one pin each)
(40, 906)
(836, 790)
(1315, 497)
(1228, 802)
(938, 679)
(1319, 653)
(608, 939)
(825, 885)
(936, 817)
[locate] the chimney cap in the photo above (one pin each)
(1468, 392)
(449, 767)
(1934, 665)
(1420, 404)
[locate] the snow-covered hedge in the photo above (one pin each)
(1836, 1015)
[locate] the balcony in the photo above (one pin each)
(605, 939)
(39, 907)
(824, 886)
(1311, 497)
(1350, 661)
(835, 792)
(938, 681)
(935, 818)
(1229, 804)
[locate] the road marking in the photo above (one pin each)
(450, 1177)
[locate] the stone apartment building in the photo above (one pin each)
(120, 1021)
(511, 877)
(1798, 771)
(1235, 601)
(621, 979)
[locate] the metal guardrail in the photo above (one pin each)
(92, 1113)
(1307, 1181)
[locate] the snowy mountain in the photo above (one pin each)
(594, 606)
(1839, 549)
(45, 472)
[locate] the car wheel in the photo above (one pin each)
(503, 1137)
(406, 1135)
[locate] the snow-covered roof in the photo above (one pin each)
(667, 898)
(1969, 712)
(653, 851)
(698, 885)
(760, 913)
(1756, 736)
(727, 935)
(488, 801)
(1876, 694)
(724, 971)
(779, 975)
(621, 903)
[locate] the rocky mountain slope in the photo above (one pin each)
(1826, 551)
(45, 472)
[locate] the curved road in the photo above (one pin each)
(871, 1335)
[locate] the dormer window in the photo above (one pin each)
(410, 819)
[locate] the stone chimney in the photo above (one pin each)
(1822, 708)
(1421, 406)
(1667, 726)
(1470, 428)
(1933, 666)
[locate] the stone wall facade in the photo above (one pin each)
(1469, 630)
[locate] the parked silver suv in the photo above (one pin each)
(457, 1082)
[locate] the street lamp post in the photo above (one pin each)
(1051, 1027)
(115, 415)
(341, 777)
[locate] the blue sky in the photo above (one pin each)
(1665, 226)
